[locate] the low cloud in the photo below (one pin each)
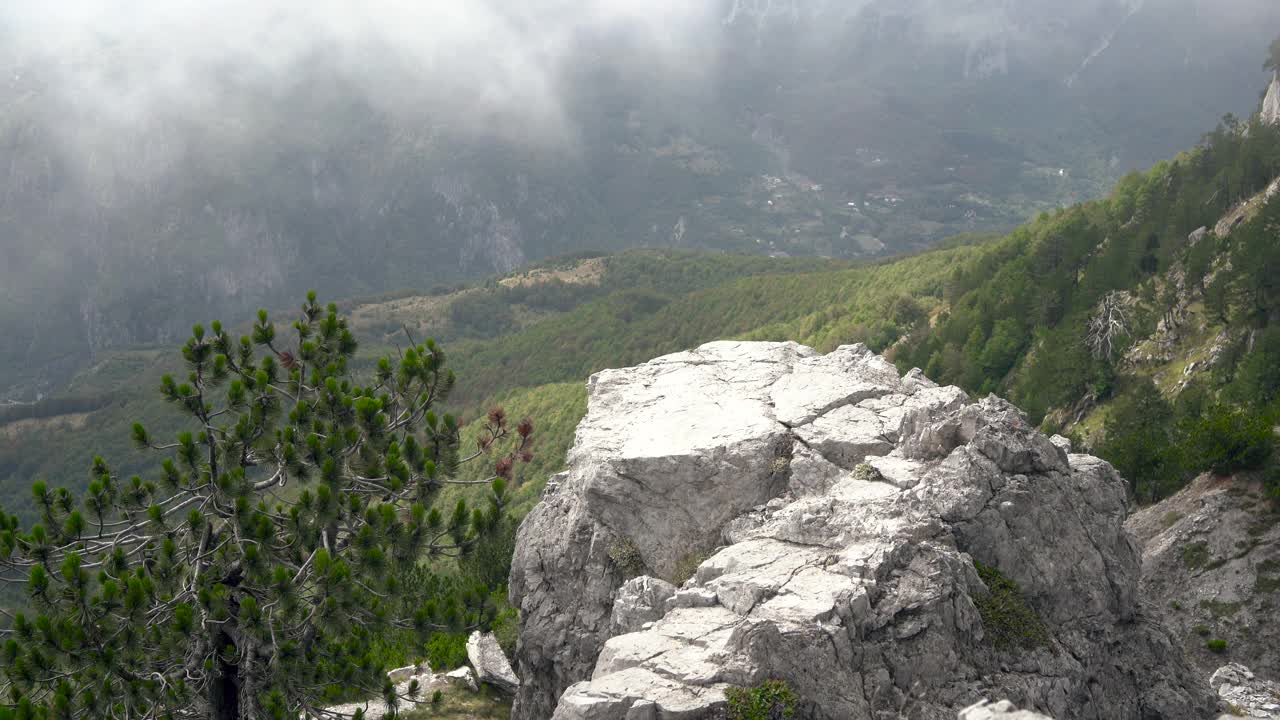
(479, 65)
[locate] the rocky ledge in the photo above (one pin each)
(888, 547)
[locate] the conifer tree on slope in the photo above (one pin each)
(253, 577)
(1273, 57)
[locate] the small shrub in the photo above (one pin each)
(436, 698)
(866, 473)
(781, 465)
(1196, 555)
(770, 700)
(1265, 584)
(1170, 519)
(1217, 645)
(1175, 605)
(624, 553)
(687, 566)
(1202, 630)
(446, 651)
(1007, 618)
(506, 630)
(1228, 440)
(1220, 610)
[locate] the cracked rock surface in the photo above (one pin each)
(747, 511)
(1211, 567)
(1246, 694)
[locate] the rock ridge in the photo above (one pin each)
(747, 511)
(1271, 103)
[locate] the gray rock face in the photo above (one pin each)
(641, 601)
(833, 511)
(1003, 710)
(1211, 570)
(490, 663)
(1271, 104)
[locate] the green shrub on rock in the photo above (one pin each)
(770, 700)
(1010, 623)
(624, 553)
(447, 651)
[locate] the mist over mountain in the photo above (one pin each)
(222, 155)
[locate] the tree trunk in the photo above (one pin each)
(224, 691)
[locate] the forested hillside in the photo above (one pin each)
(1145, 323)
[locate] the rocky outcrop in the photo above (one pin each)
(1003, 710)
(1271, 104)
(748, 511)
(490, 663)
(464, 678)
(1244, 693)
(1211, 568)
(414, 685)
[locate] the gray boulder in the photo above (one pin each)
(490, 663)
(830, 513)
(1243, 692)
(640, 602)
(463, 677)
(1003, 710)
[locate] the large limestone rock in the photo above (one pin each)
(756, 510)
(1003, 710)
(1244, 693)
(490, 663)
(1271, 104)
(1211, 569)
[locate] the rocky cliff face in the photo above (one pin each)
(1271, 103)
(755, 510)
(1211, 567)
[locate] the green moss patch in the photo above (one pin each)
(1220, 609)
(624, 553)
(1196, 556)
(770, 700)
(687, 566)
(1268, 580)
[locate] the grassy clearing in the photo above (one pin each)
(459, 704)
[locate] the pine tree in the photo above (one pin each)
(254, 575)
(1273, 57)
